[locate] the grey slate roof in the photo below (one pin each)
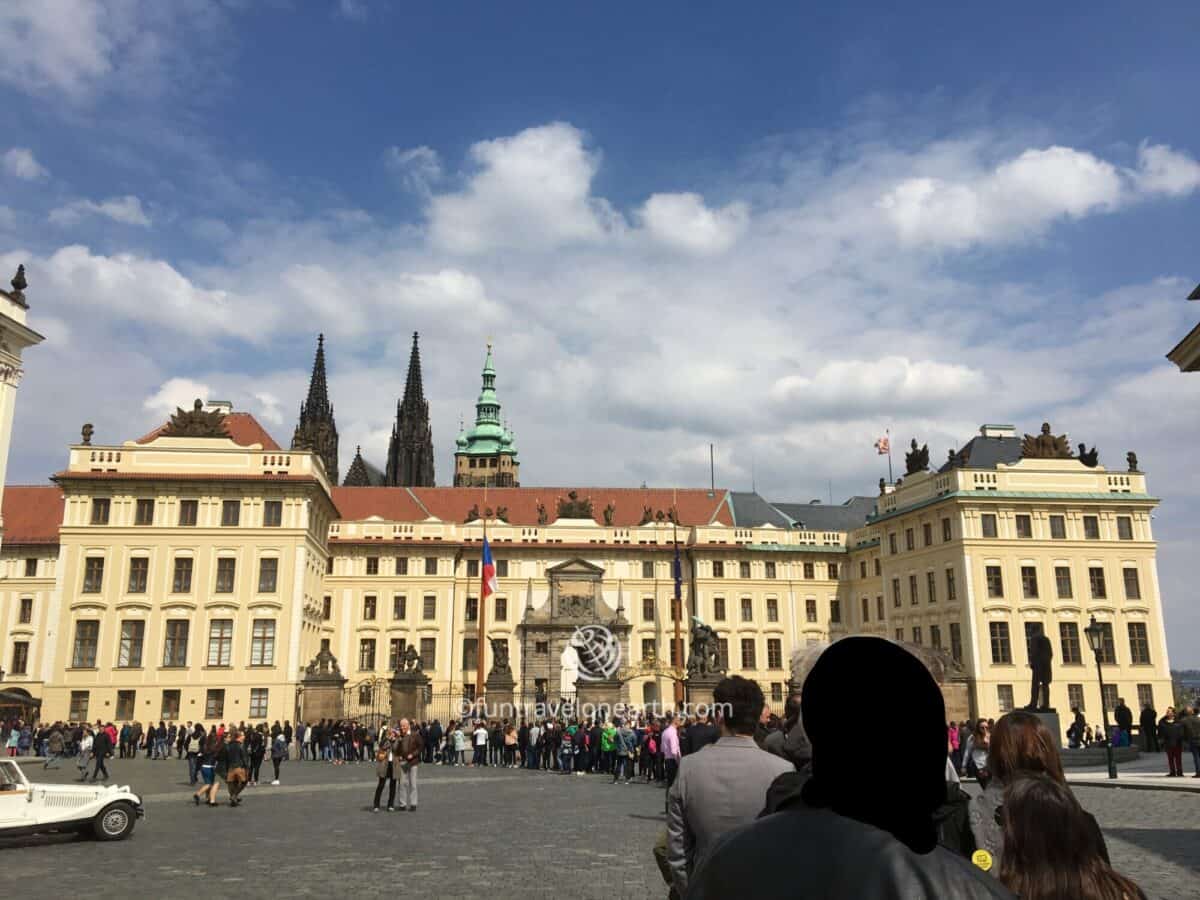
(985, 453)
(824, 517)
(751, 511)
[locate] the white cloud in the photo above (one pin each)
(417, 168)
(684, 222)
(127, 210)
(531, 190)
(176, 393)
(895, 383)
(1022, 196)
(1162, 170)
(268, 407)
(21, 163)
(354, 10)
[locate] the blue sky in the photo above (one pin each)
(780, 229)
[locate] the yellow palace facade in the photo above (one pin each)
(196, 572)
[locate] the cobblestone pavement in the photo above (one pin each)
(499, 832)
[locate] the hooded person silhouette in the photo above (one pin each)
(862, 825)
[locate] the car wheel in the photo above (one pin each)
(114, 822)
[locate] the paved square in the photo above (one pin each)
(493, 832)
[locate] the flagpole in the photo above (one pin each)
(481, 608)
(888, 432)
(677, 602)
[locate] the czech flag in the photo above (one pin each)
(488, 572)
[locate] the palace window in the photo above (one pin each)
(1029, 584)
(866, 609)
(743, 569)
(181, 578)
(896, 600)
(862, 569)
(326, 608)
(913, 597)
(892, 543)
(472, 610)
(931, 586)
(369, 608)
(214, 703)
(401, 565)
(79, 706)
(810, 610)
(1075, 697)
(272, 513)
(268, 575)
(129, 654)
(1058, 528)
(835, 611)
(995, 582)
(833, 571)
(429, 607)
(647, 609)
(718, 568)
(935, 637)
(366, 654)
(226, 570)
(908, 539)
(93, 574)
(170, 706)
(144, 512)
(1139, 644)
(1124, 528)
(31, 568)
(501, 608)
(231, 513)
(188, 510)
(1001, 645)
(927, 533)
(647, 568)
(877, 568)
(916, 634)
(747, 609)
(1091, 528)
(100, 509)
(772, 609)
(1145, 694)
(988, 524)
(501, 568)
(774, 653)
(175, 645)
(87, 636)
(472, 568)
(719, 609)
(1096, 578)
(1024, 526)
(1108, 646)
(395, 653)
(258, 703)
(1004, 696)
(470, 653)
(956, 641)
(1133, 590)
(769, 568)
(541, 648)
(951, 590)
(879, 607)
(1062, 582)
(25, 613)
(431, 565)
(1068, 639)
(220, 642)
(139, 570)
(399, 607)
(428, 653)
(648, 651)
(809, 571)
(262, 643)
(748, 659)
(20, 658)
(372, 565)
(946, 532)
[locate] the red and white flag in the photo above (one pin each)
(883, 446)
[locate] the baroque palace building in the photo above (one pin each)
(197, 572)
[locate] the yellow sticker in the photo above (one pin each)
(983, 859)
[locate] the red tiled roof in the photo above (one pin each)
(394, 504)
(32, 514)
(243, 428)
(451, 504)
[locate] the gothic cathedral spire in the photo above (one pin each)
(316, 429)
(410, 452)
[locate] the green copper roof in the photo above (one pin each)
(488, 437)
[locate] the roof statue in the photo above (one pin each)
(916, 460)
(1131, 458)
(196, 423)
(1046, 445)
(573, 507)
(18, 285)
(608, 512)
(86, 433)
(1090, 458)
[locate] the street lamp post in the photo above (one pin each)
(1095, 639)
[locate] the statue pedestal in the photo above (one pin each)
(322, 697)
(601, 695)
(408, 695)
(498, 693)
(1049, 718)
(698, 689)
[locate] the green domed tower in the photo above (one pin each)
(487, 453)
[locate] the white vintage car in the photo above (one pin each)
(107, 811)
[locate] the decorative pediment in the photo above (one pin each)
(575, 566)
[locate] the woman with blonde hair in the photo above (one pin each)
(1048, 852)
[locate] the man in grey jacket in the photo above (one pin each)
(722, 786)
